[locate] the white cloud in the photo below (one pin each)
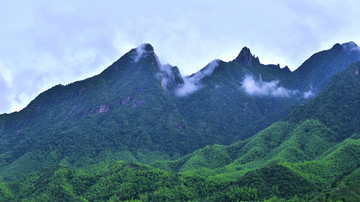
(6, 73)
(140, 50)
(187, 88)
(193, 83)
(263, 88)
(308, 94)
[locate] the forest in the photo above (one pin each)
(127, 135)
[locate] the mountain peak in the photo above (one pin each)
(245, 51)
(146, 46)
(143, 50)
(350, 46)
(246, 57)
(286, 68)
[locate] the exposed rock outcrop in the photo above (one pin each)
(246, 57)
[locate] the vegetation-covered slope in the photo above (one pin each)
(116, 181)
(317, 71)
(120, 114)
(131, 112)
(125, 181)
(338, 106)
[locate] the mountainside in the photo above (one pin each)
(337, 106)
(295, 159)
(224, 110)
(316, 72)
(138, 110)
(132, 111)
(120, 114)
(306, 134)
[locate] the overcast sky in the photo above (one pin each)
(44, 43)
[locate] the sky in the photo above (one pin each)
(45, 43)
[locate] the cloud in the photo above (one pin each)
(192, 83)
(4, 89)
(187, 88)
(309, 94)
(140, 50)
(206, 71)
(263, 88)
(165, 74)
(6, 74)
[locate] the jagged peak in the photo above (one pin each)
(286, 68)
(142, 50)
(245, 51)
(170, 77)
(277, 66)
(350, 46)
(135, 55)
(247, 57)
(207, 70)
(337, 46)
(146, 47)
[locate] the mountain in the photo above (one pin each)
(305, 134)
(223, 110)
(132, 112)
(123, 113)
(316, 72)
(275, 143)
(316, 141)
(290, 160)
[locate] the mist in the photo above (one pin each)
(140, 50)
(193, 83)
(263, 88)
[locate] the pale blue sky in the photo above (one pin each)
(44, 43)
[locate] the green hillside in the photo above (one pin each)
(203, 137)
(126, 181)
(131, 112)
(116, 181)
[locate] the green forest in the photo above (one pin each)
(125, 135)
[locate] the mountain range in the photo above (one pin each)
(237, 130)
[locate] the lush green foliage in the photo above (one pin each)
(126, 114)
(338, 106)
(73, 136)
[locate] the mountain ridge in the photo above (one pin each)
(244, 131)
(131, 112)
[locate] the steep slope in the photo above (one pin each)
(338, 106)
(223, 110)
(123, 113)
(132, 112)
(316, 72)
(139, 110)
(306, 142)
(346, 188)
(281, 141)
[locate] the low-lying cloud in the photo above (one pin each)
(140, 50)
(263, 88)
(192, 83)
(189, 87)
(308, 94)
